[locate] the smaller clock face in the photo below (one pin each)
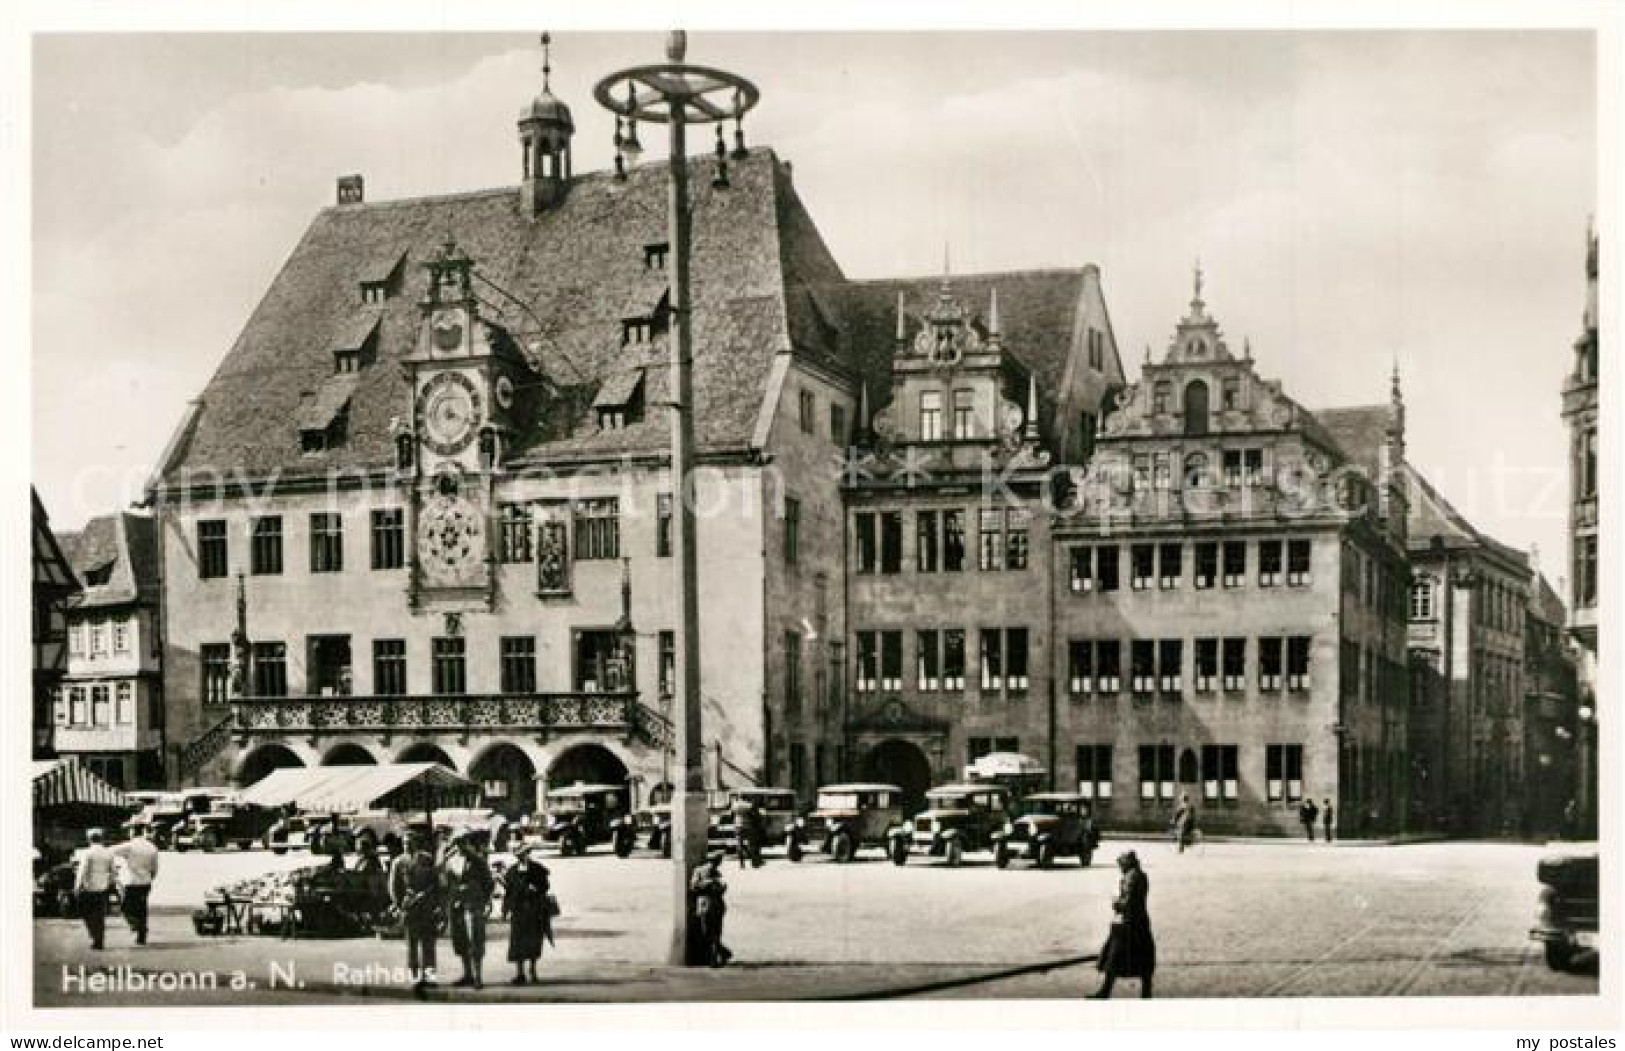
(448, 331)
(504, 392)
(449, 412)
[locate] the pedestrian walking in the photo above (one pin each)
(1184, 823)
(140, 858)
(708, 889)
(92, 883)
(748, 834)
(469, 887)
(1327, 816)
(525, 887)
(1130, 950)
(416, 892)
(1306, 814)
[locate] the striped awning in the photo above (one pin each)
(63, 783)
(345, 789)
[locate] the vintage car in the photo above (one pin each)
(1567, 920)
(54, 894)
(1052, 825)
(288, 832)
(227, 821)
(171, 813)
(653, 823)
(848, 818)
(956, 819)
(580, 816)
(778, 810)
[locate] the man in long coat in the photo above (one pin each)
(1130, 950)
(416, 892)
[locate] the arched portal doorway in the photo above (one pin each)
(507, 780)
(349, 755)
(1196, 407)
(262, 760)
(903, 764)
(591, 764)
(427, 752)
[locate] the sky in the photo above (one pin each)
(1356, 200)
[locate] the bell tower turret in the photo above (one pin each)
(545, 130)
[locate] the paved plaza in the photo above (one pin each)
(1231, 919)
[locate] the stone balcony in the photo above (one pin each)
(463, 715)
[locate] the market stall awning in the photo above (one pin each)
(344, 789)
(65, 783)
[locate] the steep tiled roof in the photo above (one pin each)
(572, 268)
(1360, 431)
(1036, 311)
(125, 547)
(1434, 521)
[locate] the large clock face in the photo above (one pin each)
(451, 539)
(448, 412)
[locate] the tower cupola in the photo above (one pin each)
(545, 130)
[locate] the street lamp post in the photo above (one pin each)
(677, 94)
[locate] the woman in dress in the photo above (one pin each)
(524, 901)
(1130, 950)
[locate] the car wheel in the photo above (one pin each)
(279, 851)
(1046, 855)
(899, 851)
(793, 851)
(842, 847)
(577, 846)
(245, 844)
(1559, 955)
(209, 841)
(1001, 856)
(955, 852)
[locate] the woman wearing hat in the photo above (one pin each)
(1130, 950)
(468, 897)
(524, 901)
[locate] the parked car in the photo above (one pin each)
(848, 818)
(288, 832)
(779, 812)
(1052, 825)
(226, 821)
(653, 823)
(581, 816)
(54, 894)
(1567, 919)
(171, 813)
(956, 819)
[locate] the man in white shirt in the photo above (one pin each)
(92, 883)
(140, 859)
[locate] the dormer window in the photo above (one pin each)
(373, 292)
(379, 277)
(654, 256)
(356, 344)
(323, 414)
(635, 331)
(99, 575)
(347, 361)
(620, 400)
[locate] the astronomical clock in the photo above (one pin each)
(465, 373)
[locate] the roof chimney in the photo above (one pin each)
(351, 189)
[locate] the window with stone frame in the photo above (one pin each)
(792, 531)
(265, 546)
(1283, 773)
(792, 673)
(1106, 568)
(991, 641)
(215, 660)
(326, 542)
(867, 662)
(1080, 667)
(928, 661)
(1235, 563)
(1231, 461)
(964, 414)
(1170, 565)
(1252, 466)
(1269, 563)
(990, 531)
(212, 558)
(1016, 677)
(1298, 562)
(837, 423)
(953, 660)
(866, 557)
(1081, 566)
(808, 413)
(101, 705)
(1162, 397)
(1422, 597)
(930, 416)
(1143, 667)
(598, 529)
(1144, 565)
(891, 542)
(450, 665)
(1207, 666)
(389, 667)
(1269, 664)
(953, 540)
(1094, 766)
(1171, 666)
(1157, 772)
(1221, 773)
(891, 661)
(1207, 565)
(515, 546)
(1016, 521)
(667, 684)
(121, 635)
(926, 548)
(518, 657)
(663, 525)
(388, 538)
(1297, 662)
(270, 660)
(1108, 667)
(1230, 393)
(1235, 665)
